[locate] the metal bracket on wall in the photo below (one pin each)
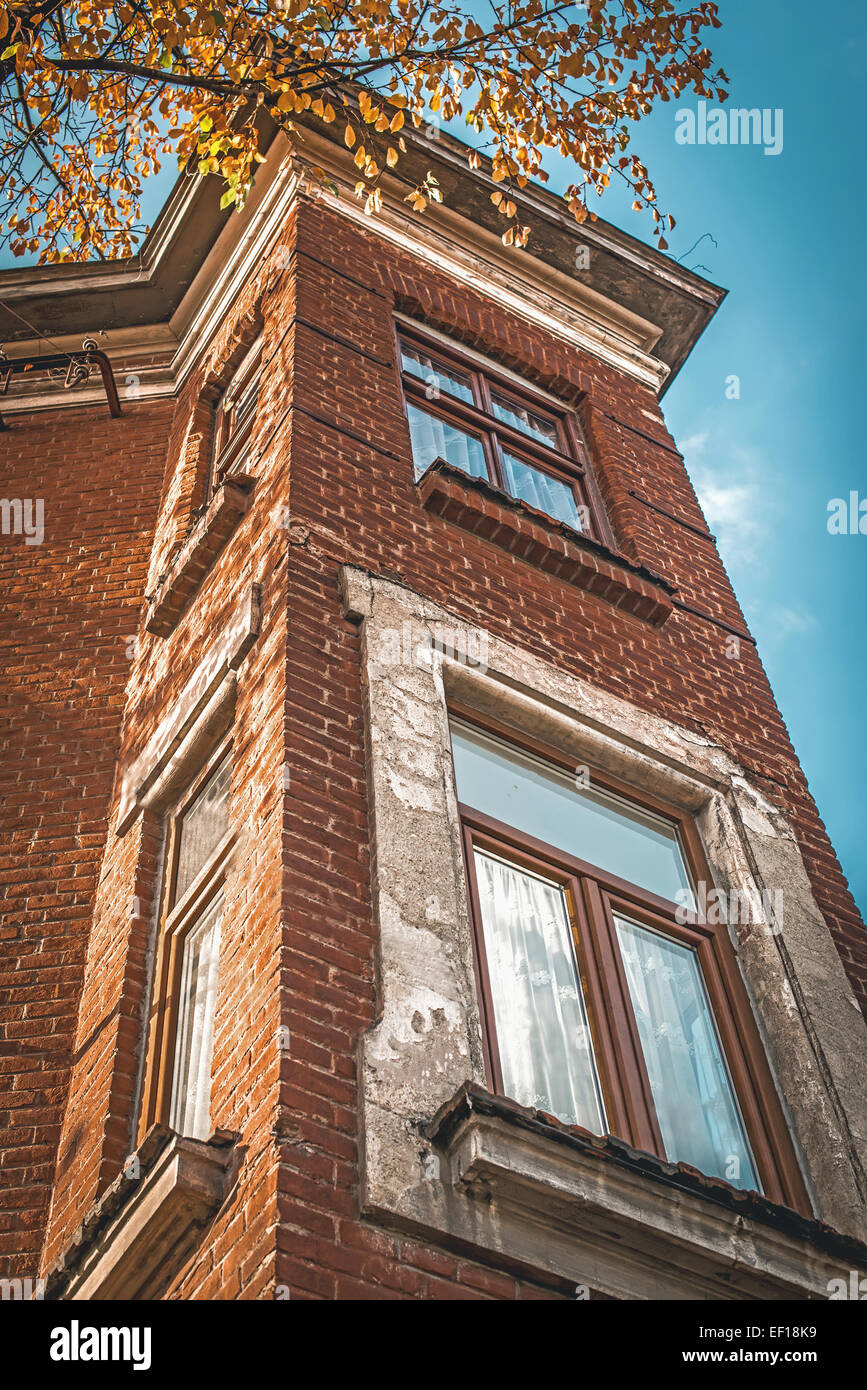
(74, 367)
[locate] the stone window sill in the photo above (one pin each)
(625, 1222)
(143, 1228)
(207, 538)
(477, 506)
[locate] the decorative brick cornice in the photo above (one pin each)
(198, 552)
(476, 505)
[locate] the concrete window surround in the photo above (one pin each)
(427, 1044)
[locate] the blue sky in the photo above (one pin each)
(782, 233)
(786, 232)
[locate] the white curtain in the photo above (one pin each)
(692, 1093)
(526, 420)
(437, 377)
(190, 1111)
(433, 438)
(540, 490)
(543, 1037)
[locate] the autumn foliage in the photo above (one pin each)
(95, 96)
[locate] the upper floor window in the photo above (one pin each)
(481, 421)
(607, 1000)
(236, 414)
(180, 1053)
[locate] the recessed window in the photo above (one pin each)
(177, 1087)
(491, 427)
(607, 1001)
(236, 415)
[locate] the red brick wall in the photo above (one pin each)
(352, 487)
(331, 452)
(67, 610)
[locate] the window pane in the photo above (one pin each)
(202, 826)
(595, 826)
(433, 438)
(540, 490)
(436, 376)
(546, 1051)
(694, 1099)
(527, 421)
(238, 408)
(190, 1112)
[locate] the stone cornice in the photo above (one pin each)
(631, 307)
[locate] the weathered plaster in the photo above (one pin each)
(428, 1040)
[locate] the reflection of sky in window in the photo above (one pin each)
(595, 827)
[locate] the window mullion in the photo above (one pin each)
(637, 1101)
(600, 1021)
(496, 453)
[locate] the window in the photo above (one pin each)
(236, 414)
(607, 1001)
(483, 423)
(180, 1053)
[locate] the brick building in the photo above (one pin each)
(409, 888)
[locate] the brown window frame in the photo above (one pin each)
(232, 434)
(593, 895)
(176, 921)
(568, 463)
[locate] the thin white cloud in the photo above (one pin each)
(795, 620)
(736, 514)
(694, 446)
(734, 497)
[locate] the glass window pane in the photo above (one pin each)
(527, 421)
(543, 1037)
(433, 438)
(692, 1092)
(190, 1111)
(202, 826)
(595, 826)
(540, 490)
(437, 377)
